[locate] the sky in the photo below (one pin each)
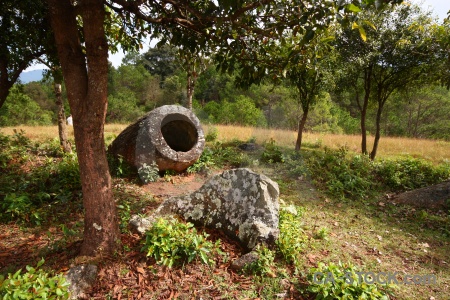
(438, 7)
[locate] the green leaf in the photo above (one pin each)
(353, 8)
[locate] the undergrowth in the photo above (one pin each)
(34, 284)
(171, 242)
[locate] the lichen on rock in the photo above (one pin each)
(240, 202)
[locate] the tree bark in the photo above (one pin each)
(190, 89)
(301, 126)
(376, 140)
(86, 81)
(363, 108)
(62, 129)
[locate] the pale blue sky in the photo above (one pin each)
(438, 7)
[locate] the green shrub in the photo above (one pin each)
(16, 207)
(228, 154)
(204, 163)
(342, 282)
(410, 173)
(34, 284)
(23, 193)
(119, 167)
(292, 239)
(342, 175)
(21, 109)
(272, 153)
(149, 173)
(262, 266)
(212, 134)
(171, 242)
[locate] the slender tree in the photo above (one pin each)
(399, 50)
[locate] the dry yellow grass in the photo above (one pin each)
(436, 151)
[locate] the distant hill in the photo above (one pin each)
(29, 76)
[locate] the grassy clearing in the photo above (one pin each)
(363, 228)
(390, 147)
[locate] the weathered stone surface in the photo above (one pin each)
(240, 202)
(432, 197)
(249, 147)
(81, 278)
(240, 263)
(169, 135)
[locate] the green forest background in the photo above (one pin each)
(146, 81)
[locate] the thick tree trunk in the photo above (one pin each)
(87, 94)
(301, 126)
(5, 86)
(7, 80)
(62, 129)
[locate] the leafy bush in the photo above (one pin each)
(410, 173)
(24, 189)
(228, 154)
(241, 111)
(342, 282)
(119, 167)
(34, 284)
(341, 175)
(15, 206)
(212, 134)
(171, 242)
(123, 108)
(149, 173)
(262, 266)
(21, 109)
(205, 162)
(292, 239)
(272, 153)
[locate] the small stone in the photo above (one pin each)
(81, 278)
(244, 260)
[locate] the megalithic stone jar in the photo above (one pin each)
(169, 135)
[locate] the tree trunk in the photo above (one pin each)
(87, 94)
(189, 90)
(363, 130)
(7, 80)
(301, 126)
(63, 141)
(363, 108)
(5, 84)
(373, 153)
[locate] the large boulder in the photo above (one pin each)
(240, 202)
(170, 136)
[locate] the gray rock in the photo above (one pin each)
(249, 147)
(81, 278)
(240, 263)
(240, 202)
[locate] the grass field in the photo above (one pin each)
(389, 147)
